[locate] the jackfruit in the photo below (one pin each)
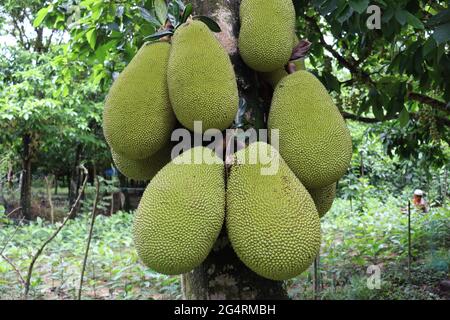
(267, 30)
(313, 137)
(142, 170)
(323, 198)
(271, 219)
(274, 77)
(138, 119)
(201, 80)
(180, 214)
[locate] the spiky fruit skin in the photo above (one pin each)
(180, 215)
(145, 169)
(201, 79)
(271, 220)
(274, 77)
(138, 119)
(313, 137)
(323, 198)
(267, 30)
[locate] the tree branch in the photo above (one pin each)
(349, 63)
(351, 116)
(430, 101)
(13, 211)
(353, 66)
(355, 117)
(91, 229)
(13, 266)
(69, 216)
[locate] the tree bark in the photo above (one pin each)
(222, 275)
(56, 184)
(25, 183)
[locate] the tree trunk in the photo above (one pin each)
(56, 184)
(25, 183)
(223, 275)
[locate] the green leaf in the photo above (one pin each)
(428, 47)
(332, 82)
(442, 33)
(401, 16)
(404, 117)
(159, 35)
(381, 2)
(414, 21)
(328, 7)
(91, 36)
(102, 52)
(387, 15)
(345, 15)
(378, 112)
(97, 12)
(174, 13)
(441, 18)
(359, 6)
(40, 16)
(180, 4)
(187, 12)
(212, 25)
(161, 11)
(149, 17)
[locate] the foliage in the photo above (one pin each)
(113, 271)
(351, 243)
(398, 73)
(38, 103)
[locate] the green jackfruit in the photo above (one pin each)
(180, 214)
(267, 30)
(271, 220)
(201, 80)
(323, 198)
(142, 170)
(313, 137)
(274, 77)
(138, 119)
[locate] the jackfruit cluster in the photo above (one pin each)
(270, 200)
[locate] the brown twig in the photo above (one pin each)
(38, 253)
(16, 209)
(94, 209)
(13, 266)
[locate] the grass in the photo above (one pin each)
(352, 241)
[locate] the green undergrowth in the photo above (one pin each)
(352, 242)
